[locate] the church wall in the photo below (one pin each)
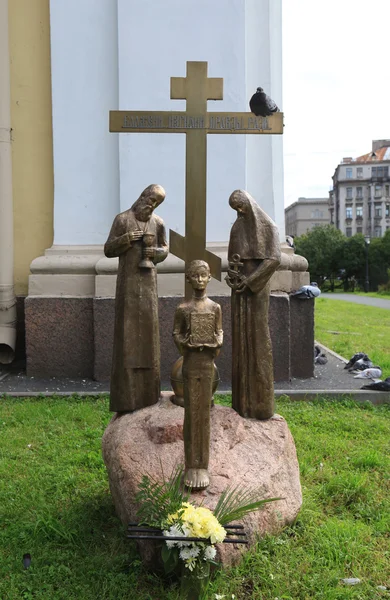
(32, 161)
(85, 87)
(121, 54)
(155, 41)
(264, 154)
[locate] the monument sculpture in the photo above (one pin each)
(198, 336)
(138, 238)
(196, 123)
(257, 455)
(253, 256)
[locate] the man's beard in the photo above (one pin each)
(143, 215)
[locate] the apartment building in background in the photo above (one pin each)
(360, 199)
(306, 213)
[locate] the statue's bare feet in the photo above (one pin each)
(197, 479)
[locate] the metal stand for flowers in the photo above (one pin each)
(193, 584)
(143, 532)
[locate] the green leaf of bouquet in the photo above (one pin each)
(165, 553)
(158, 499)
(236, 502)
(170, 558)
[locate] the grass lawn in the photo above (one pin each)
(55, 504)
(348, 328)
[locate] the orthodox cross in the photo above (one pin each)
(196, 88)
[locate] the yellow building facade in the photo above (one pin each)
(32, 144)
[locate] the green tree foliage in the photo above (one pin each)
(379, 260)
(330, 255)
(322, 247)
(353, 261)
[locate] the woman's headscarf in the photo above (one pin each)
(254, 235)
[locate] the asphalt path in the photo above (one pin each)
(378, 302)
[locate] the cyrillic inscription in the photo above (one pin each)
(146, 122)
(212, 122)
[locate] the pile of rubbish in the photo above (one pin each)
(362, 367)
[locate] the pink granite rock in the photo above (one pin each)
(255, 454)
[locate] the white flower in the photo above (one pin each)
(186, 553)
(209, 553)
(175, 531)
(219, 596)
(169, 543)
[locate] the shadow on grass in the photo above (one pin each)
(80, 551)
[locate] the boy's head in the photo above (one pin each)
(198, 274)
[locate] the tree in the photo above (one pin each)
(331, 254)
(322, 247)
(379, 260)
(353, 260)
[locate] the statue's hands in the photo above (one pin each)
(242, 286)
(135, 235)
(217, 342)
(229, 281)
(189, 343)
(149, 252)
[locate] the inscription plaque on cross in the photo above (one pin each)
(196, 88)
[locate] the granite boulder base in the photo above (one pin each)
(255, 454)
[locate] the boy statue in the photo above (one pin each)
(198, 336)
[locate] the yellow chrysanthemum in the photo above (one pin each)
(199, 522)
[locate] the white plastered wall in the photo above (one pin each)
(109, 54)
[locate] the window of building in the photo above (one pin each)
(369, 211)
(359, 172)
(317, 214)
(349, 192)
(359, 210)
(378, 191)
(348, 212)
(348, 232)
(378, 210)
(378, 231)
(387, 191)
(359, 229)
(349, 172)
(387, 211)
(380, 171)
(359, 192)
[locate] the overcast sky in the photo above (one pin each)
(336, 87)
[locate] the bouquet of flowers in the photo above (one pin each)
(194, 522)
(190, 532)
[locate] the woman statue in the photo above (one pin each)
(253, 255)
(197, 334)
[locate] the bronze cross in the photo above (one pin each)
(196, 88)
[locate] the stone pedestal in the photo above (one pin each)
(70, 315)
(245, 452)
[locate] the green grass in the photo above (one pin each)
(361, 329)
(55, 504)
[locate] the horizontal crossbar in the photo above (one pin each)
(122, 121)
